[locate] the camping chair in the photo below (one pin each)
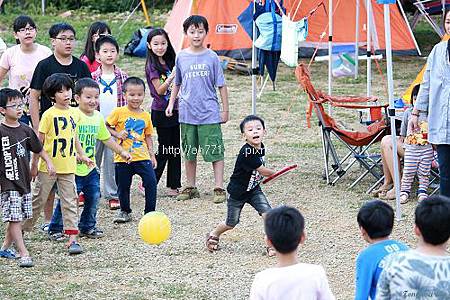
(358, 142)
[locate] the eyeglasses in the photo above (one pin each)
(66, 39)
(27, 29)
(16, 106)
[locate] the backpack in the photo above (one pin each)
(137, 46)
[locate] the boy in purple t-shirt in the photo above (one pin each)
(198, 73)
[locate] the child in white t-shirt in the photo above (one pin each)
(20, 60)
(289, 279)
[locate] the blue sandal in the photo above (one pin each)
(8, 253)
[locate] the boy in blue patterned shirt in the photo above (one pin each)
(375, 220)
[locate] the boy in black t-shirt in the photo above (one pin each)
(62, 37)
(248, 173)
(15, 140)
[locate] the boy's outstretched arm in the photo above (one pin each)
(119, 135)
(265, 171)
(81, 155)
(149, 141)
(225, 113)
(110, 143)
(173, 97)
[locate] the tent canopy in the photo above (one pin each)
(227, 37)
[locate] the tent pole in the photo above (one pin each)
(369, 48)
(43, 7)
(254, 62)
(330, 49)
(144, 10)
(409, 27)
(387, 32)
(356, 39)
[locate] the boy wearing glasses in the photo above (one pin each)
(62, 36)
(15, 140)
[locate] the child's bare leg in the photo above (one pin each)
(218, 167)
(8, 239)
(48, 208)
(212, 242)
(191, 171)
(15, 232)
(72, 238)
(221, 228)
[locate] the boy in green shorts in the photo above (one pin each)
(198, 73)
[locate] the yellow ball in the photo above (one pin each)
(154, 228)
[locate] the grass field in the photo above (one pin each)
(121, 266)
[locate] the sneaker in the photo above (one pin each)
(141, 188)
(94, 233)
(219, 195)
(75, 248)
(81, 199)
(44, 227)
(188, 193)
(25, 262)
(421, 197)
(122, 217)
(404, 198)
(8, 253)
(57, 236)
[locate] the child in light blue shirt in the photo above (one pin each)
(375, 220)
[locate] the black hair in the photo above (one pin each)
(168, 57)
(22, 22)
(106, 39)
(85, 83)
(376, 218)
(432, 217)
(7, 94)
(249, 119)
(414, 93)
(89, 47)
(132, 81)
(443, 19)
(195, 20)
(55, 83)
(284, 227)
(57, 28)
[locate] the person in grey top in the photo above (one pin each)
(424, 272)
(434, 99)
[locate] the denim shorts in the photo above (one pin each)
(255, 198)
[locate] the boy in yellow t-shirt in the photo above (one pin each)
(57, 132)
(133, 127)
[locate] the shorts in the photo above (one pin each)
(16, 207)
(205, 138)
(255, 198)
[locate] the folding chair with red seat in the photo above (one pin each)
(358, 142)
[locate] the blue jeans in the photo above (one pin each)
(90, 186)
(443, 152)
(255, 198)
(124, 175)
